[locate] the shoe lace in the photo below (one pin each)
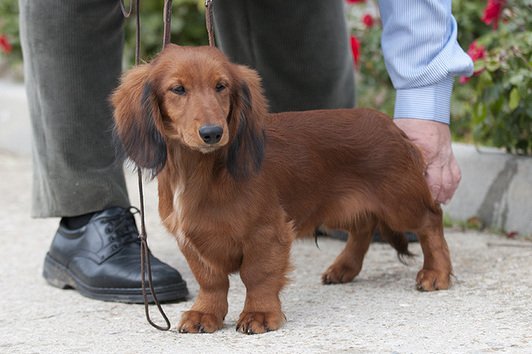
(124, 227)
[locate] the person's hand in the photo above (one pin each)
(434, 140)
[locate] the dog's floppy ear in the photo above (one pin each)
(137, 115)
(248, 108)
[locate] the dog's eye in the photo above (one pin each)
(178, 90)
(220, 87)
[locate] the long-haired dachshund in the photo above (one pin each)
(237, 185)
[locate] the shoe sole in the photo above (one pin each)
(61, 277)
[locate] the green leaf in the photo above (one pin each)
(493, 64)
(479, 65)
(517, 78)
(515, 97)
(485, 80)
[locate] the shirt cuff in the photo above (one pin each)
(428, 102)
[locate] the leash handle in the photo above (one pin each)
(126, 12)
(145, 263)
(145, 258)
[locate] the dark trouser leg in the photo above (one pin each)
(72, 60)
(300, 49)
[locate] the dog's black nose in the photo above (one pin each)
(211, 134)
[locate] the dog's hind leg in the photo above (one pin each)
(348, 263)
(437, 269)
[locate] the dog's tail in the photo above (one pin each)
(398, 240)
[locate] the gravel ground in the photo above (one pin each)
(488, 309)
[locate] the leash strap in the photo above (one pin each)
(209, 22)
(145, 263)
(167, 18)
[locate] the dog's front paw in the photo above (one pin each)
(260, 322)
(199, 322)
(430, 280)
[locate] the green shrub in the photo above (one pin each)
(499, 108)
(494, 107)
(373, 86)
(10, 52)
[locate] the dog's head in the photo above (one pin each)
(194, 97)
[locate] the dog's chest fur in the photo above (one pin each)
(203, 229)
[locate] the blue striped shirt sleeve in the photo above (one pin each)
(422, 56)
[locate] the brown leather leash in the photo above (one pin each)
(208, 22)
(145, 264)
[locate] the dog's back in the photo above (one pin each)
(330, 166)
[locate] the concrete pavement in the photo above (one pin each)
(489, 308)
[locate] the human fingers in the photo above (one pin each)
(443, 174)
(433, 176)
(448, 185)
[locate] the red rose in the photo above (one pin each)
(355, 48)
(492, 12)
(355, 1)
(367, 19)
(5, 46)
(463, 80)
(476, 52)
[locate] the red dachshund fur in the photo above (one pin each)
(237, 196)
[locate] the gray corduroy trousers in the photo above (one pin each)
(72, 61)
(300, 48)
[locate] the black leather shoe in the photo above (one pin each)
(101, 260)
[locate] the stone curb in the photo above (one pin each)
(496, 189)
